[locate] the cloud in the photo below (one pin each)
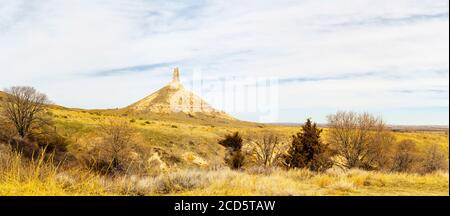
(348, 52)
(133, 69)
(318, 79)
(436, 91)
(394, 20)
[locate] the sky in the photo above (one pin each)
(389, 58)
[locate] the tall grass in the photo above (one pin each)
(40, 176)
(19, 176)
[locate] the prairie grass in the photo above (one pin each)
(41, 177)
(190, 143)
(195, 135)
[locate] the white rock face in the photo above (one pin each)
(174, 98)
(175, 84)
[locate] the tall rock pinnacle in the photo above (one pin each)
(176, 75)
(175, 84)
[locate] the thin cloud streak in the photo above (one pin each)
(337, 77)
(131, 69)
(376, 21)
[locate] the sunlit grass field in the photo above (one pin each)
(189, 147)
(177, 135)
(41, 178)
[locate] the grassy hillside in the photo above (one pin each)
(172, 135)
(2, 95)
(178, 134)
(188, 145)
(179, 137)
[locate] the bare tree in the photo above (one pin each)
(434, 160)
(379, 155)
(359, 139)
(23, 107)
(117, 149)
(117, 142)
(267, 149)
(405, 156)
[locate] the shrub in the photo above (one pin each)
(180, 181)
(232, 141)
(308, 151)
(7, 131)
(113, 154)
(234, 158)
(405, 156)
(434, 159)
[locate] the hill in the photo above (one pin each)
(171, 103)
(174, 98)
(2, 95)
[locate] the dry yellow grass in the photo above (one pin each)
(345, 183)
(176, 135)
(39, 177)
(194, 142)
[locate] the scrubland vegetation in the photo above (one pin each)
(52, 150)
(40, 177)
